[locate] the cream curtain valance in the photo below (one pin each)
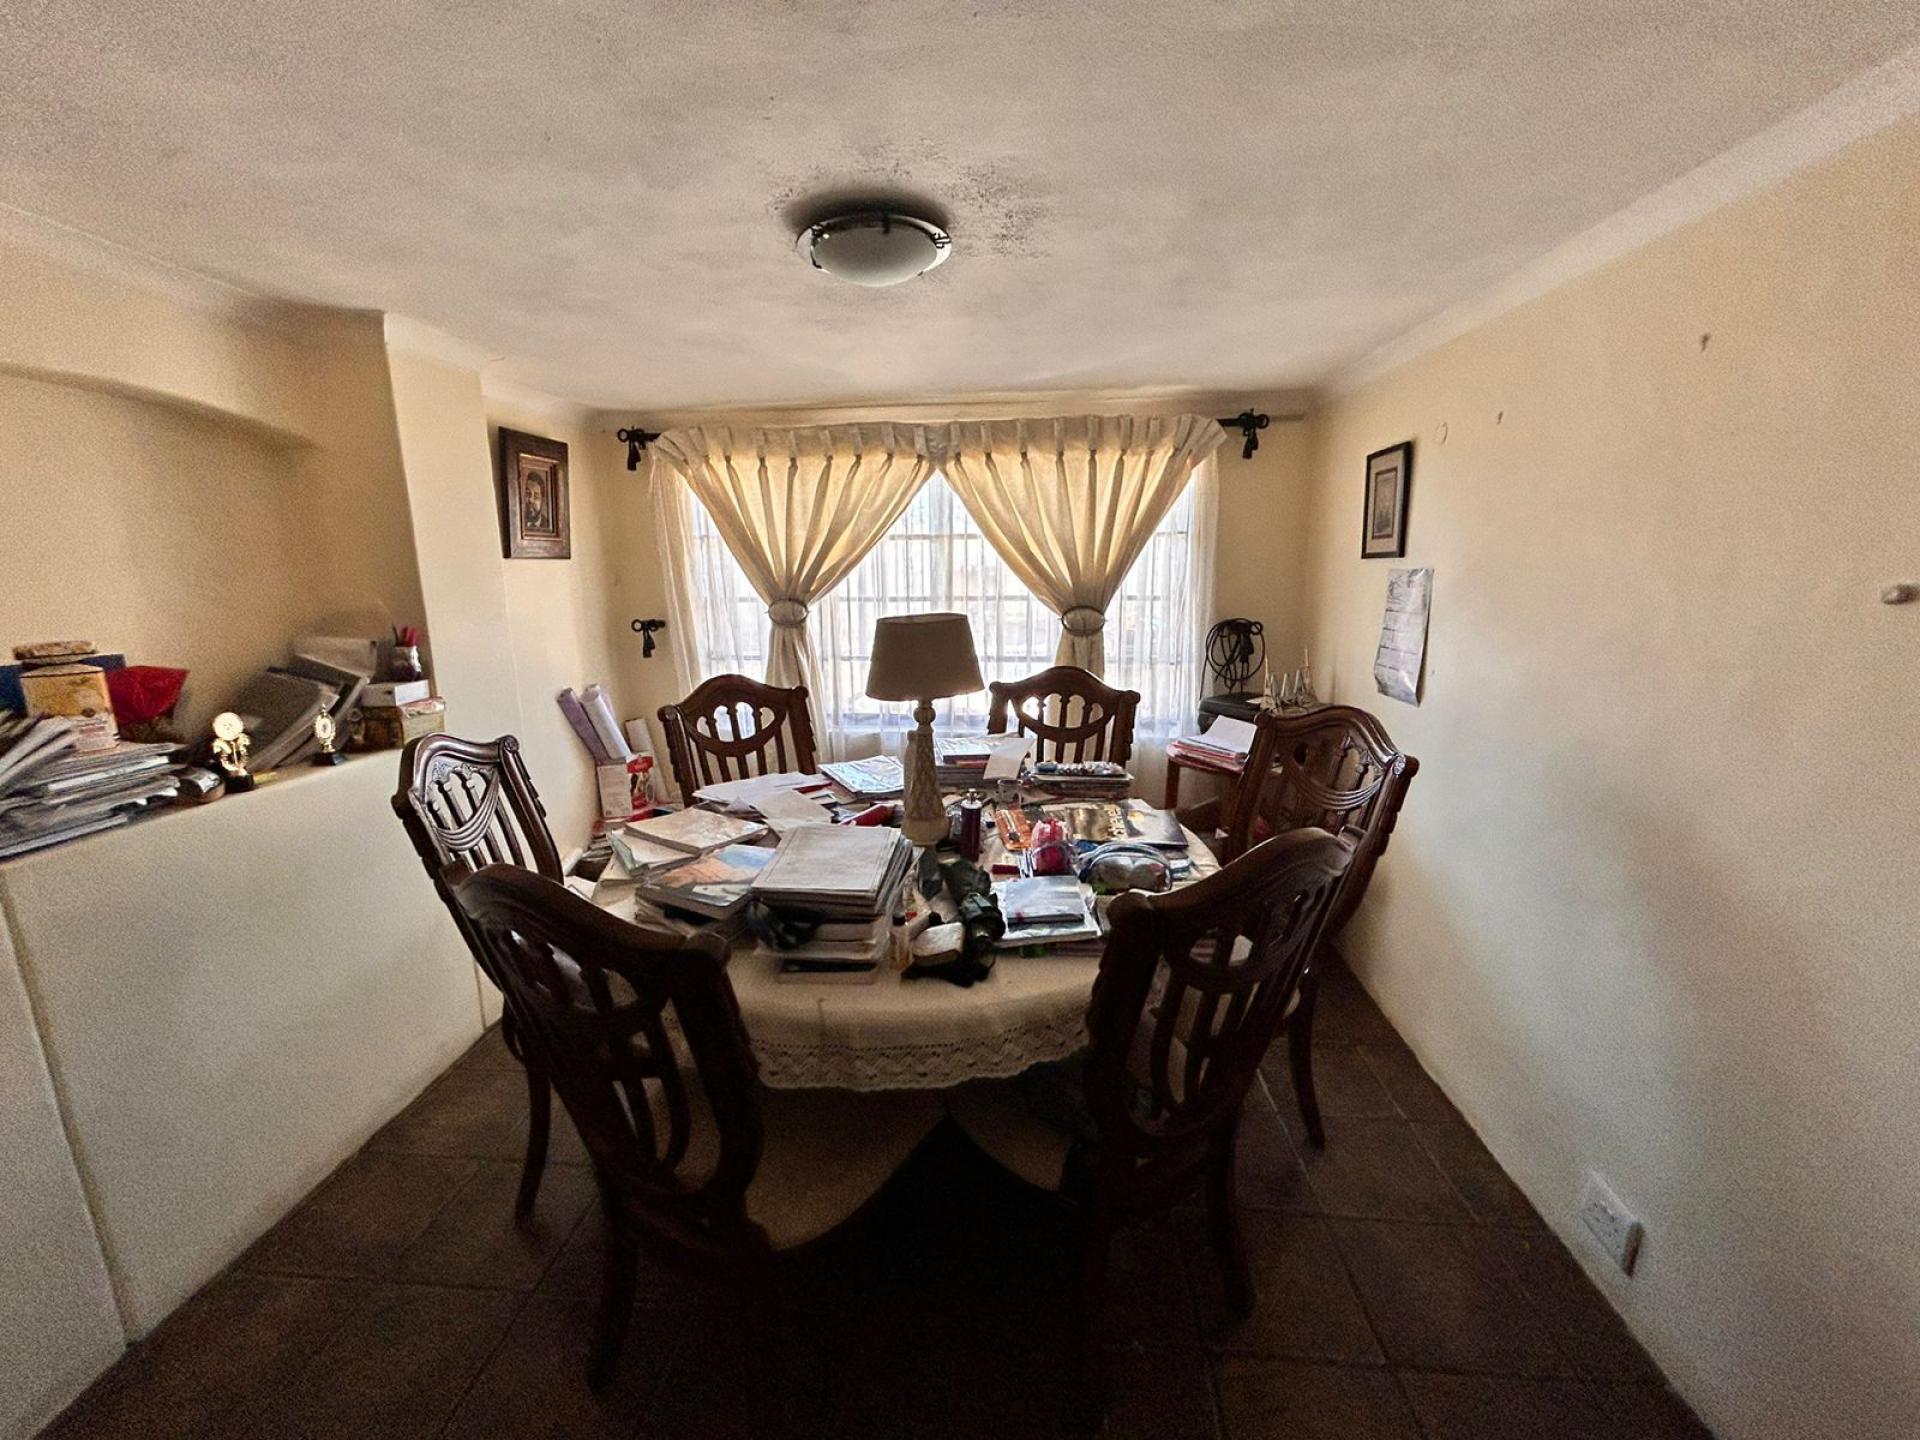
(1070, 503)
(799, 508)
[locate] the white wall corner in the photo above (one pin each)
(1871, 101)
(416, 337)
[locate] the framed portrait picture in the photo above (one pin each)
(534, 519)
(1383, 528)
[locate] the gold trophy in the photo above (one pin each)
(324, 731)
(230, 746)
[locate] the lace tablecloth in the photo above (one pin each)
(896, 1034)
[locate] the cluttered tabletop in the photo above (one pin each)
(863, 961)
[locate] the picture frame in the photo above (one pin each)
(1383, 515)
(536, 519)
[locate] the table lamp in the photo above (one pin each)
(922, 658)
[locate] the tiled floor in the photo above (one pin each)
(1406, 1288)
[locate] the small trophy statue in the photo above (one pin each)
(324, 731)
(230, 746)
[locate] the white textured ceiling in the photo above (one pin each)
(1229, 197)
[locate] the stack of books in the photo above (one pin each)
(691, 832)
(1229, 738)
(880, 778)
(1081, 779)
(960, 761)
(713, 886)
(848, 878)
(50, 794)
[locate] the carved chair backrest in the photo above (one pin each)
(640, 1034)
(1192, 989)
(471, 803)
(732, 727)
(1335, 768)
(1072, 714)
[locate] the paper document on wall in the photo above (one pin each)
(1403, 634)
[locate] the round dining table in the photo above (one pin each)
(892, 1033)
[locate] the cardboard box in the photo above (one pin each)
(392, 694)
(76, 691)
(388, 727)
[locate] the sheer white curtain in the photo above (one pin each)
(1070, 503)
(935, 557)
(798, 508)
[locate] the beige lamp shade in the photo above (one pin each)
(923, 657)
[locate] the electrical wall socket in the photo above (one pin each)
(1610, 1222)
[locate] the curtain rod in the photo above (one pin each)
(1248, 422)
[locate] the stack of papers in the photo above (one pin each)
(841, 871)
(1229, 737)
(1061, 913)
(692, 832)
(744, 796)
(49, 794)
(880, 778)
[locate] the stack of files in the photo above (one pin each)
(848, 952)
(1046, 910)
(1228, 738)
(753, 795)
(348, 686)
(880, 778)
(278, 709)
(715, 886)
(692, 832)
(58, 795)
(840, 872)
(634, 855)
(29, 744)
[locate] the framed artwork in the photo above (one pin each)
(1383, 528)
(535, 523)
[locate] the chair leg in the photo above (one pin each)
(1223, 1224)
(619, 1282)
(539, 1126)
(1300, 1059)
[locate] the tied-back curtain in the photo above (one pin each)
(798, 508)
(1070, 503)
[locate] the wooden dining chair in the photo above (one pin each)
(1189, 995)
(641, 1035)
(466, 804)
(1071, 713)
(732, 727)
(1338, 769)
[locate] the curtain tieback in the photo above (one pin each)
(789, 614)
(1083, 620)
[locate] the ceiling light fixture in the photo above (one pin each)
(875, 247)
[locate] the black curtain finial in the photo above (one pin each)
(1249, 423)
(637, 442)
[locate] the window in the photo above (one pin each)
(935, 558)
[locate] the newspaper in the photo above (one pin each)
(1403, 634)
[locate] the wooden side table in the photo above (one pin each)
(1181, 757)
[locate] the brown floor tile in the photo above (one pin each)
(1442, 1296)
(1305, 1306)
(1504, 1407)
(534, 1386)
(1652, 1412)
(238, 1341)
(1149, 1304)
(1344, 1014)
(1263, 1399)
(362, 1220)
(478, 1113)
(1492, 1197)
(1271, 1175)
(578, 1268)
(1417, 1095)
(490, 1052)
(1159, 1395)
(474, 1240)
(729, 1380)
(1589, 1332)
(1342, 1081)
(394, 1371)
(1376, 1170)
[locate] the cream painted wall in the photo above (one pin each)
(1260, 551)
(58, 1324)
(1652, 906)
(157, 531)
(564, 615)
